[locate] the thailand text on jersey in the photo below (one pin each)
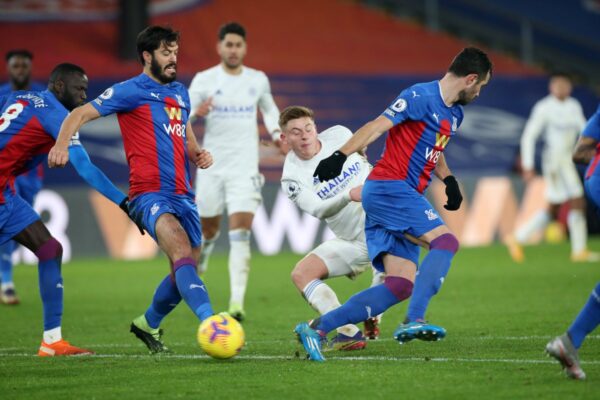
(153, 119)
(592, 130)
(29, 125)
(423, 126)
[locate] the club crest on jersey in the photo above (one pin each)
(454, 124)
(180, 100)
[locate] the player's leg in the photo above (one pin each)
(242, 195)
(333, 258)
(240, 224)
(371, 326)
(564, 348)
(210, 200)
(515, 242)
(8, 294)
(49, 253)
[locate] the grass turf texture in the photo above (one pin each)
(498, 314)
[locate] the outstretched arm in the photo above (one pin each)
(59, 153)
(332, 166)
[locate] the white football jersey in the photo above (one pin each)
(328, 200)
(231, 131)
(561, 122)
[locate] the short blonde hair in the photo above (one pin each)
(294, 112)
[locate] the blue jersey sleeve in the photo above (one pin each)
(91, 174)
(411, 104)
(121, 97)
(592, 128)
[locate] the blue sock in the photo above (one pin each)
(431, 274)
(6, 267)
(51, 283)
(166, 297)
(366, 304)
(587, 320)
(192, 289)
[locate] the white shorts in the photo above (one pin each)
(562, 183)
(344, 257)
(236, 192)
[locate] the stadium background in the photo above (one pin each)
(345, 59)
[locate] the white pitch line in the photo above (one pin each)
(290, 358)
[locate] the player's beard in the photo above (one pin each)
(21, 83)
(464, 98)
(158, 71)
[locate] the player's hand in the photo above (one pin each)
(356, 193)
(331, 166)
(204, 108)
(528, 174)
(453, 193)
(203, 159)
(125, 207)
(58, 157)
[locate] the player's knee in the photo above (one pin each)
(51, 249)
(447, 242)
(400, 287)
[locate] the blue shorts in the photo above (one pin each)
(592, 189)
(146, 208)
(393, 208)
(15, 215)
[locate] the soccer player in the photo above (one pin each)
(421, 121)
(227, 97)
(337, 204)
(153, 111)
(27, 185)
(565, 347)
(29, 124)
(560, 118)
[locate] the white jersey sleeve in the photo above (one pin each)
(268, 108)
(198, 92)
(308, 201)
(533, 128)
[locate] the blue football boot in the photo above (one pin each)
(311, 341)
(419, 329)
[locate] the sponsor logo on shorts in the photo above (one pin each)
(154, 209)
(431, 215)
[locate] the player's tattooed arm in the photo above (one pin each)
(199, 156)
(585, 149)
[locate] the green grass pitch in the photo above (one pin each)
(498, 314)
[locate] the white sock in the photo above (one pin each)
(52, 336)
(207, 248)
(535, 224)
(577, 231)
(239, 264)
(378, 278)
(323, 299)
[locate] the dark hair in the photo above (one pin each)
(152, 37)
(232, 27)
(294, 112)
(561, 74)
(63, 71)
(471, 60)
(18, 52)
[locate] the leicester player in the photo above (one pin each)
(421, 122)
(228, 97)
(153, 111)
(28, 184)
(29, 124)
(565, 347)
(338, 204)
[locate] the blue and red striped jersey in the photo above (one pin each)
(29, 125)
(592, 130)
(153, 119)
(423, 126)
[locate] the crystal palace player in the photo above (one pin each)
(565, 347)
(421, 121)
(29, 124)
(153, 111)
